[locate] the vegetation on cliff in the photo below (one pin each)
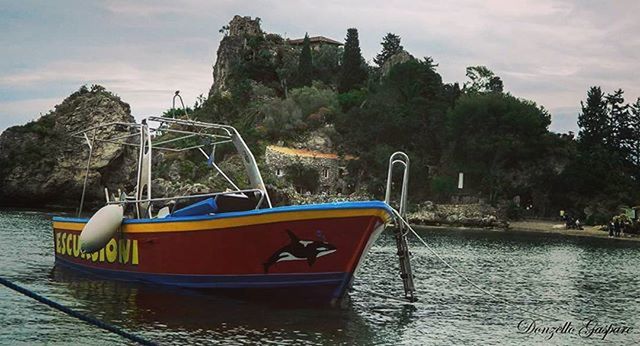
(276, 92)
(499, 141)
(40, 164)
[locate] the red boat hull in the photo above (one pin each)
(316, 247)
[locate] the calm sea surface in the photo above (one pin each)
(573, 279)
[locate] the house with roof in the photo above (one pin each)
(331, 167)
(315, 42)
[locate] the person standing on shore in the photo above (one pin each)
(617, 227)
(611, 228)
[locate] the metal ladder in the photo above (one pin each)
(400, 233)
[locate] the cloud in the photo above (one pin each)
(549, 51)
(21, 112)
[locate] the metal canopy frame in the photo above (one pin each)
(152, 133)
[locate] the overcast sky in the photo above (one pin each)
(550, 52)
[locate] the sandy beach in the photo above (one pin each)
(558, 227)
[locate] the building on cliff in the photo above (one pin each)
(331, 168)
(315, 42)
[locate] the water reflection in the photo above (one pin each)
(572, 278)
(145, 307)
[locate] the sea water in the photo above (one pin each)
(590, 286)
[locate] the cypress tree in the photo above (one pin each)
(305, 64)
(634, 124)
(353, 73)
(619, 122)
(390, 46)
(593, 122)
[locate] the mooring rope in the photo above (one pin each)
(70, 312)
(476, 286)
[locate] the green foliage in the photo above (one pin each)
(282, 119)
(286, 66)
(592, 121)
(605, 172)
(291, 118)
(406, 112)
(326, 63)
(514, 211)
(177, 113)
(302, 177)
(305, 64)
(314, 98)
(495, 134)
(390, 46)
(353, 73)
(443, 186)
(483, 80)
(352, 98)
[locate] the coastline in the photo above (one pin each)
(537, 226)
(557, 227)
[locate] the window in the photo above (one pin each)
(325, 172)
(279, 172)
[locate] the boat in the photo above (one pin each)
(233, 240)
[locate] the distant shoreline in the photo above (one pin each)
(559, 228)
(528, 226)
(537, 226)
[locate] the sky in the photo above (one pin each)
(550, 52)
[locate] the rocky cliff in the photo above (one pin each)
(40, 165)
(231, 49)
(466, 215)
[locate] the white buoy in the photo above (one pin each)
(101, 228)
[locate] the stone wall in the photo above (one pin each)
(330, 167)
(240, 26)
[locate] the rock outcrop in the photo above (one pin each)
(467, 215)
(398, 58)
(231, 49)
(41, 165)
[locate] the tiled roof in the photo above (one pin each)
(308, 153)
(315, 39)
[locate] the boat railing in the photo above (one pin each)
(195, 196)
(400, 232)
(172, 135)
(401, 159)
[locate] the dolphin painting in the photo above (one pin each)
(299, 250)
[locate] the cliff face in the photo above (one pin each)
(41, 165)
(231, 49)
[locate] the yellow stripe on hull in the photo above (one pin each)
(230, 222)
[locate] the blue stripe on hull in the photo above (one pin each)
(283, 209)
(337, 282)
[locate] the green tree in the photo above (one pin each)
(495, 140)
(634, 125)
(305, 64)
(482, 80)
(326, 63)
(619, 122)
(405, 112)
(286, 66)
(601, 177)
(314, 98)
(593, 121)
(353, 73)
(390, 46)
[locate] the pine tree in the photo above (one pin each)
(390, 46)
(353, 72)
(634, 125)
(619, 122)
(305, 64)
(593, 122)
